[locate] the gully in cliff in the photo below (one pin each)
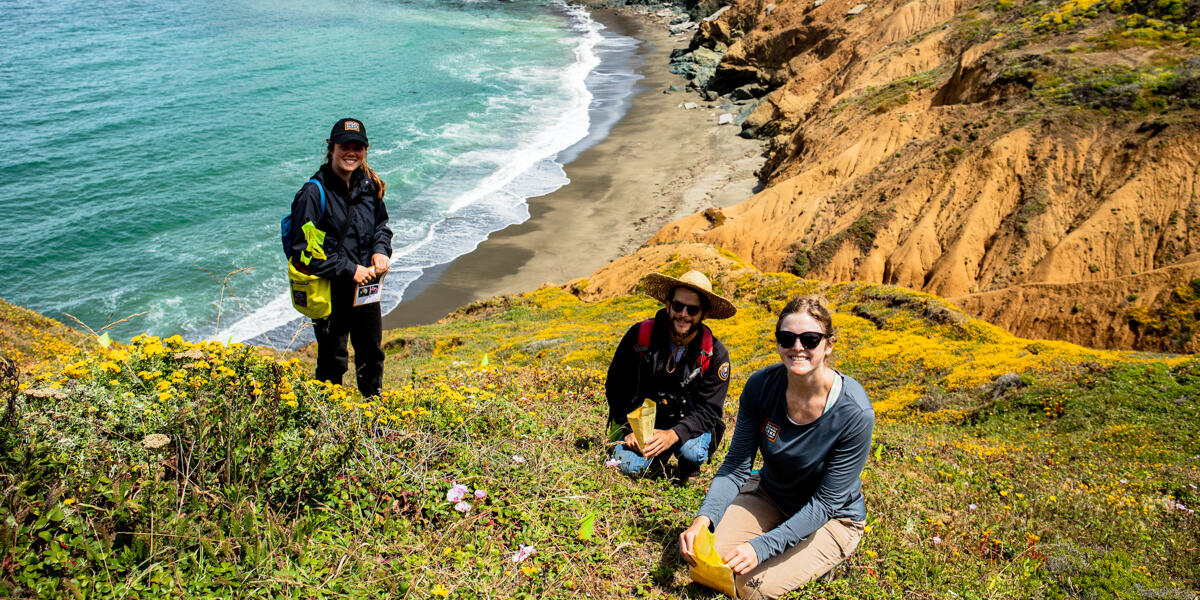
(344, 199)
(803, 513)
(667, 380)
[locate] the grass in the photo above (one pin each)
(861, 233)
(1075, 479)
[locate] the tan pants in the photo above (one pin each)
(753, 514)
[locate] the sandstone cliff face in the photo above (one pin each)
(947, 147)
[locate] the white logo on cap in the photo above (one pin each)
(351, 126)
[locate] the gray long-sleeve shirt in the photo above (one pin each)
(811, 471)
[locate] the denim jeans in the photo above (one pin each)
(691, 455)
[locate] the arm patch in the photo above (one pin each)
(723, 371)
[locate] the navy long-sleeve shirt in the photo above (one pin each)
(812, 472)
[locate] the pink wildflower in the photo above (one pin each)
(462, 507)
(457, 492)
(523, 552)
(612, 462)
(937, 540)
(480, 494)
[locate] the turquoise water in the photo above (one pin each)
(153, 146)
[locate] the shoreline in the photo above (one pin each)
(659, 162)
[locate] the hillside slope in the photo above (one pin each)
(164, 468)
(1036, 163)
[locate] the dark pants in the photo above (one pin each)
(363, 327)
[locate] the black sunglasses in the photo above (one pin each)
(690, 309)
(808, 339)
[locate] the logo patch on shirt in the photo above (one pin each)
(723, 371)
(770, 430)
(352, 126)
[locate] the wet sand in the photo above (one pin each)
(660, 162)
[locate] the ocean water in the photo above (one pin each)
(152, 147)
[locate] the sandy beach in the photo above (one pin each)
(660, 162)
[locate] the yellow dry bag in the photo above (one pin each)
(310, 294)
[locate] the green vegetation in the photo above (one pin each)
(164, 468)
(1175, 324)
(1166, 20)
(861, 232)
(801, 262)
(878, 100)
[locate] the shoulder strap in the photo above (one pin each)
(706, 348)
(321, 189)
(346, 229)
(645, 328)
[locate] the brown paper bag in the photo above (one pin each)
(709, 569)
(641, 420)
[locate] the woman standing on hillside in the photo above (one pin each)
(804, 512)
(355, 248)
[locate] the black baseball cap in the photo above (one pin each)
(349, 130)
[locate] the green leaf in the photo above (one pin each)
(879, 452)
(587, 527)
(104, 340)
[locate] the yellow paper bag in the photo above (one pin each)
(641, 420)
(709, 569)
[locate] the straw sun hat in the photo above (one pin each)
(659, 286)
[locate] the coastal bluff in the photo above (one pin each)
(1001, 467)
(1035, 163)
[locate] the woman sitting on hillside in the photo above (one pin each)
(803, 513)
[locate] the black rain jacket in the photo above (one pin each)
(688, 403)
(357, 212)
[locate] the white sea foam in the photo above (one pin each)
(505, 177)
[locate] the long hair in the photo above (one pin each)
(380, 186)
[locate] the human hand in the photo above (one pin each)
(631, 443)
(382, 263)
(362, 275)
(687, 539)
(742, 559)
(660, 442)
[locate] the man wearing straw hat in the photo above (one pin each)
(674, 360)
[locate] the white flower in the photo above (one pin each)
(523, 552)
(462, 507)
(972, 507)
(457, 492)
(517, 458)
(612, 462)
(480, 494)
(937, 540)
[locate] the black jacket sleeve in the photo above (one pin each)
(381, 241)
(708, 398)
(620, 385)
(306, 206)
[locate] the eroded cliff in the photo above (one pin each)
(1036, 163)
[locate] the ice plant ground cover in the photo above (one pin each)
(1074, 477)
